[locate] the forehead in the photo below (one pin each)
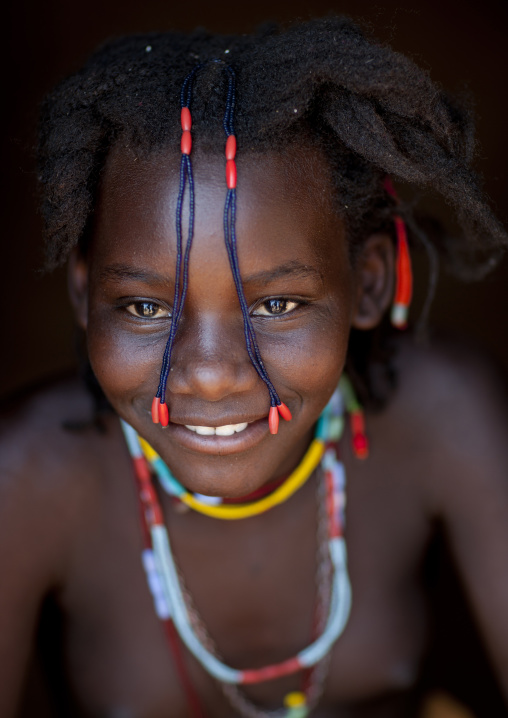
(284, 204)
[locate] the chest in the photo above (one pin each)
(255, 589)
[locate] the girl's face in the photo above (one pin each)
(302, 293)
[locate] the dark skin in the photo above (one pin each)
(68, 511)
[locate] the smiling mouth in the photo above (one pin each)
(226, 430)
(224, 440)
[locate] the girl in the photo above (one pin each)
(235, 241)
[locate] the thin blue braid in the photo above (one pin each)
(176, 299)
(179, 296)
(250, 335)
(230, 239)
(247, 326)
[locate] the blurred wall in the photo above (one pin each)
(462, 42)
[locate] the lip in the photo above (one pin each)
(223, 445)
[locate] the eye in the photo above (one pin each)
(147, 310)
(275, 307)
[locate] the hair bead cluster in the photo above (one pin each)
(160, 412)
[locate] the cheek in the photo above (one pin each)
(126, 364)
(310, 360)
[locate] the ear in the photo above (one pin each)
(77, 282)
(374, 281)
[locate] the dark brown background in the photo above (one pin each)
(462, 42)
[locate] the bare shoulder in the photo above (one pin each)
(450, 410)
(448, 423)
(48, 434)
(449, 381)
(50, 472)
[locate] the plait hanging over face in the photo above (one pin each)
(160, 413)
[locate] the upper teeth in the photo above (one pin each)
(226, 430)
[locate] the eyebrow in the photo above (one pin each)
(122, 272)
(294, 268)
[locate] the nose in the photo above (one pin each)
(210, 361)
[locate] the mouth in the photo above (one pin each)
(226, 430)
(219, 440)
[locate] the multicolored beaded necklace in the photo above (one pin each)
(312, 681)
(162, 574)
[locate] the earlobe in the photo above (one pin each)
(374, 281)
(77, 282)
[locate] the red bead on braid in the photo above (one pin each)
(186, 142)
(230, 162)
(231, 174)
(273, 420)
(164, 414)
(186, 119)
(284, 411)
(273, 416)
(231, 147)
(155, 409)
(160, 412)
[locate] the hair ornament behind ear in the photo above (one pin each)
(404, 272)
